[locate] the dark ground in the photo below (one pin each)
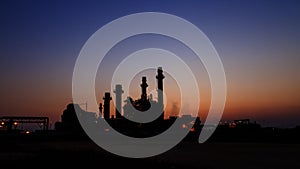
(30, 152)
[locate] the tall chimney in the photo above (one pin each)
(160, 78)
(107, 100)
(144, 86)
(160, 94)
(118, 93)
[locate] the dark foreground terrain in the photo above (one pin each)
(60, 152)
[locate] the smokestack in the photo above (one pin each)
(107, 100)
(118, 93)
(160, 95)
(160, 78)
(144, 86)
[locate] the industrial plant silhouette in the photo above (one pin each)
(68, 145)
(242, 130)
(123, 123)
(134, 106)
(238, 130)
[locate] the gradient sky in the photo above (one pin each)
(258, 42)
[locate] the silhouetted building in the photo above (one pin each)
(69, 119)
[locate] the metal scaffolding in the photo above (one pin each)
(10, 121)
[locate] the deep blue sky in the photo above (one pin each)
(258, 42)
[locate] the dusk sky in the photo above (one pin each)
(257, 41)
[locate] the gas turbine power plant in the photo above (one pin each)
(123, 122)
(133, 106)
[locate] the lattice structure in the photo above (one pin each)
(10, 121)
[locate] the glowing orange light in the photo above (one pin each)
(27, 132)
(192, 129)
(15, 123)
(232, 125)
(2, 123)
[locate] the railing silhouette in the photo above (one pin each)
(10, 121)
